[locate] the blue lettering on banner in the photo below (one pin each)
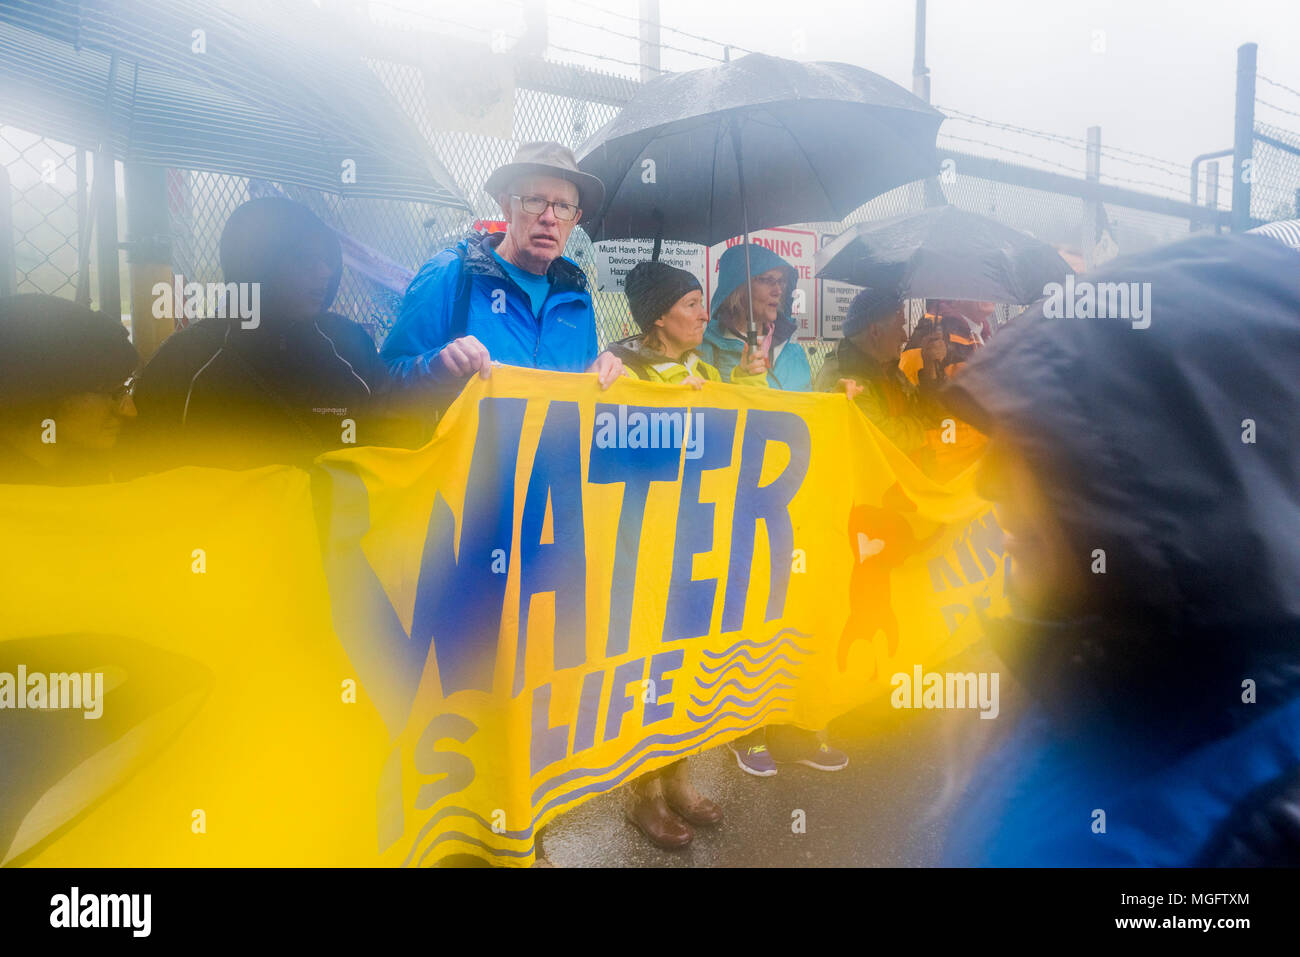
(458, 599)
(690, 600)
(769, 504)
(636, 468)
(558, 566)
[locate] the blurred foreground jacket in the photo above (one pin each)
(1173, 707)
(221, 395)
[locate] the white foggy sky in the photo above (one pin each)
(1164, 85)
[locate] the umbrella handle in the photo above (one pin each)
(659, 234)
(752, 334)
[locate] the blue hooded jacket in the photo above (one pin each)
(1142, 708)
(790, 370)
(562, 338)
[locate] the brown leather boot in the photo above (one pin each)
(650, 812)
(685, 800)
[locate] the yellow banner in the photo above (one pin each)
(403, 656)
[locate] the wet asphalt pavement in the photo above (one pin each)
(879, 811)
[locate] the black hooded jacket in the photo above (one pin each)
(222, 395)
(1176, 449)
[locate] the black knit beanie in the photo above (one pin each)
(51, 348)
(653, 288)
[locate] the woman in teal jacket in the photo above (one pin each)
(772, 288)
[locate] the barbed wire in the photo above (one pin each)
(551, 46)
(1007, 149)
(1164, 187)
(1072, 141)
(680, 32)
(380, 5)
(1116, 154)
(1174, 190)
(1168, 169)
(1274, 106)
(601, 56)
(1280, 86)
(631, 36)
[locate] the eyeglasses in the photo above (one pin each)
(536, 205)
(122, 391)
(780, 282)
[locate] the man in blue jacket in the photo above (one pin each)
(772, 287)
(507, 297)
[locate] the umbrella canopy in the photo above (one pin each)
(1285, 231)
(943, 253)
(817, 140)
(266, 97)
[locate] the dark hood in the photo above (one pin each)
(1138, 432)
(52, 347)
(261, 232)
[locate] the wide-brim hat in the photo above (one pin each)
(548, 159)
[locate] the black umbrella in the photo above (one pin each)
(943, 253)
(710, 154)
(272, 97)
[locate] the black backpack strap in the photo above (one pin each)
(460, 306)
(429, 415)
(632, 360)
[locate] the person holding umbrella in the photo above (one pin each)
(771, 291)
(865, 365)
(668, 304)
(964, 326)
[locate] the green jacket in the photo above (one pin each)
(642, 363)
(899, 409)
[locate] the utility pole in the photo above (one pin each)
(649, 32)
(934, 195)
(535, 35)
(104, 197)
(920, 72)
(1243, 137)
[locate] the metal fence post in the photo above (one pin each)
(8, 263)
(1212, 190)
(648, 29)
(106, 258)
(1243, 137)
(1092, 210)
(148, 253)
(920, 72)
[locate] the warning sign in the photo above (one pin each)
(615, 259)
(835, 299)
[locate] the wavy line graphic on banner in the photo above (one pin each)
(687, 740)
(748, 689)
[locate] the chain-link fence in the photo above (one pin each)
(538, 101)
(1275, 177)
(45, 182)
